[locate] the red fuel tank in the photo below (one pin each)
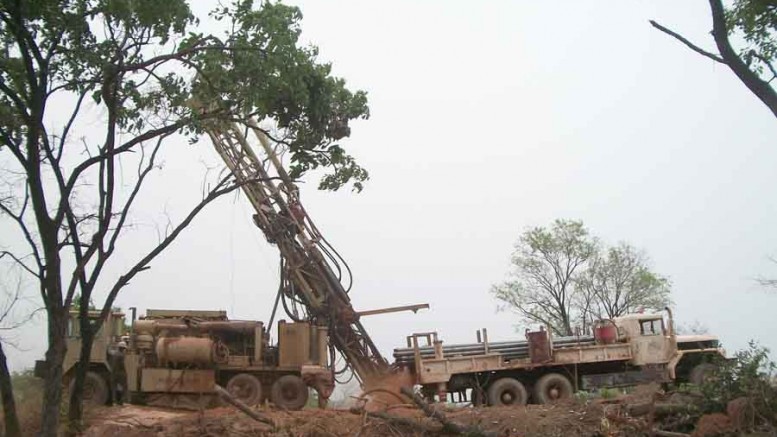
(606, 333)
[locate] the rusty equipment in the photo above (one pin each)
(190, 351)
(175, 359)
(413, 308)
(628, 350)
(315, 280)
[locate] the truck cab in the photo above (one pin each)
(651, 340)
(654, 341)
(96, 389)
(109, 334)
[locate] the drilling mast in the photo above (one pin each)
(310, 272)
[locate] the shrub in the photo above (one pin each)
(749, 374)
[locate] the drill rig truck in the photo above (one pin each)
(625, 351)
(313, 293)
(174, 354)
(628, 350)
(173, 358)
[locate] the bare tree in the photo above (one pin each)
(12, 317)
(755, 23)
(545, 261)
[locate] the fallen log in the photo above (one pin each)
(240, 405)
(447, 424)
(662, 433)
(396, 420)
(660, 409)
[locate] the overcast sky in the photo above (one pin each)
(488, 118)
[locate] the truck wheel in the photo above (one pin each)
(507, 391)
(289, 392)
(701, 374)
(95, 389)
(552, 387)
(246, 388)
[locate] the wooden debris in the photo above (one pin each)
(240, 405)
(660, 409)
(396, 420)
(439, 416)
(662, 433)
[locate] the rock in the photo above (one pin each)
(711, 425)
(683, 398)
(741, 413)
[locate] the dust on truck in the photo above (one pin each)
(175, 357)
(627, 350)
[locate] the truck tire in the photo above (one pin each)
(507, 391)
(289, 392)
(552, 387)
(701, 373)
(95, 389)
(245, 387)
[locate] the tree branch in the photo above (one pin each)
(19, 262)
(179, 55)
(16, 148)
(127, 146)
(690, 45)
(768, 65)
(222, 188)
(19, 219)
(69, 125)
(752, 81)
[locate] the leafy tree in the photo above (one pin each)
(754, 24)
(564, 275)
(92, 88)
(545, 261)
(619, 281)
(749, 375)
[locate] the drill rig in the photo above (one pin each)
(312, 271)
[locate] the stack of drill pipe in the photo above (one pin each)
(508, 349)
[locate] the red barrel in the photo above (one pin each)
(606, 333)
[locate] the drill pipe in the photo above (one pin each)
(495, 346)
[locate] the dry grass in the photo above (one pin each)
(28, 392)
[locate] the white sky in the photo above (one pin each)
(487, 118)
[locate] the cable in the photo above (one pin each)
(317, 233)
(277, 297)
(293, 316)
(350, 378)
(345, 263)
(282, 295)
(333, 261)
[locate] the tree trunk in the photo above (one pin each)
(52, 383)
(12, 428)
(761, 88)
(566, 322)
(76, 402)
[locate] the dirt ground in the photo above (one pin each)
(568, 419)
(575, 418)
(533, 420)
